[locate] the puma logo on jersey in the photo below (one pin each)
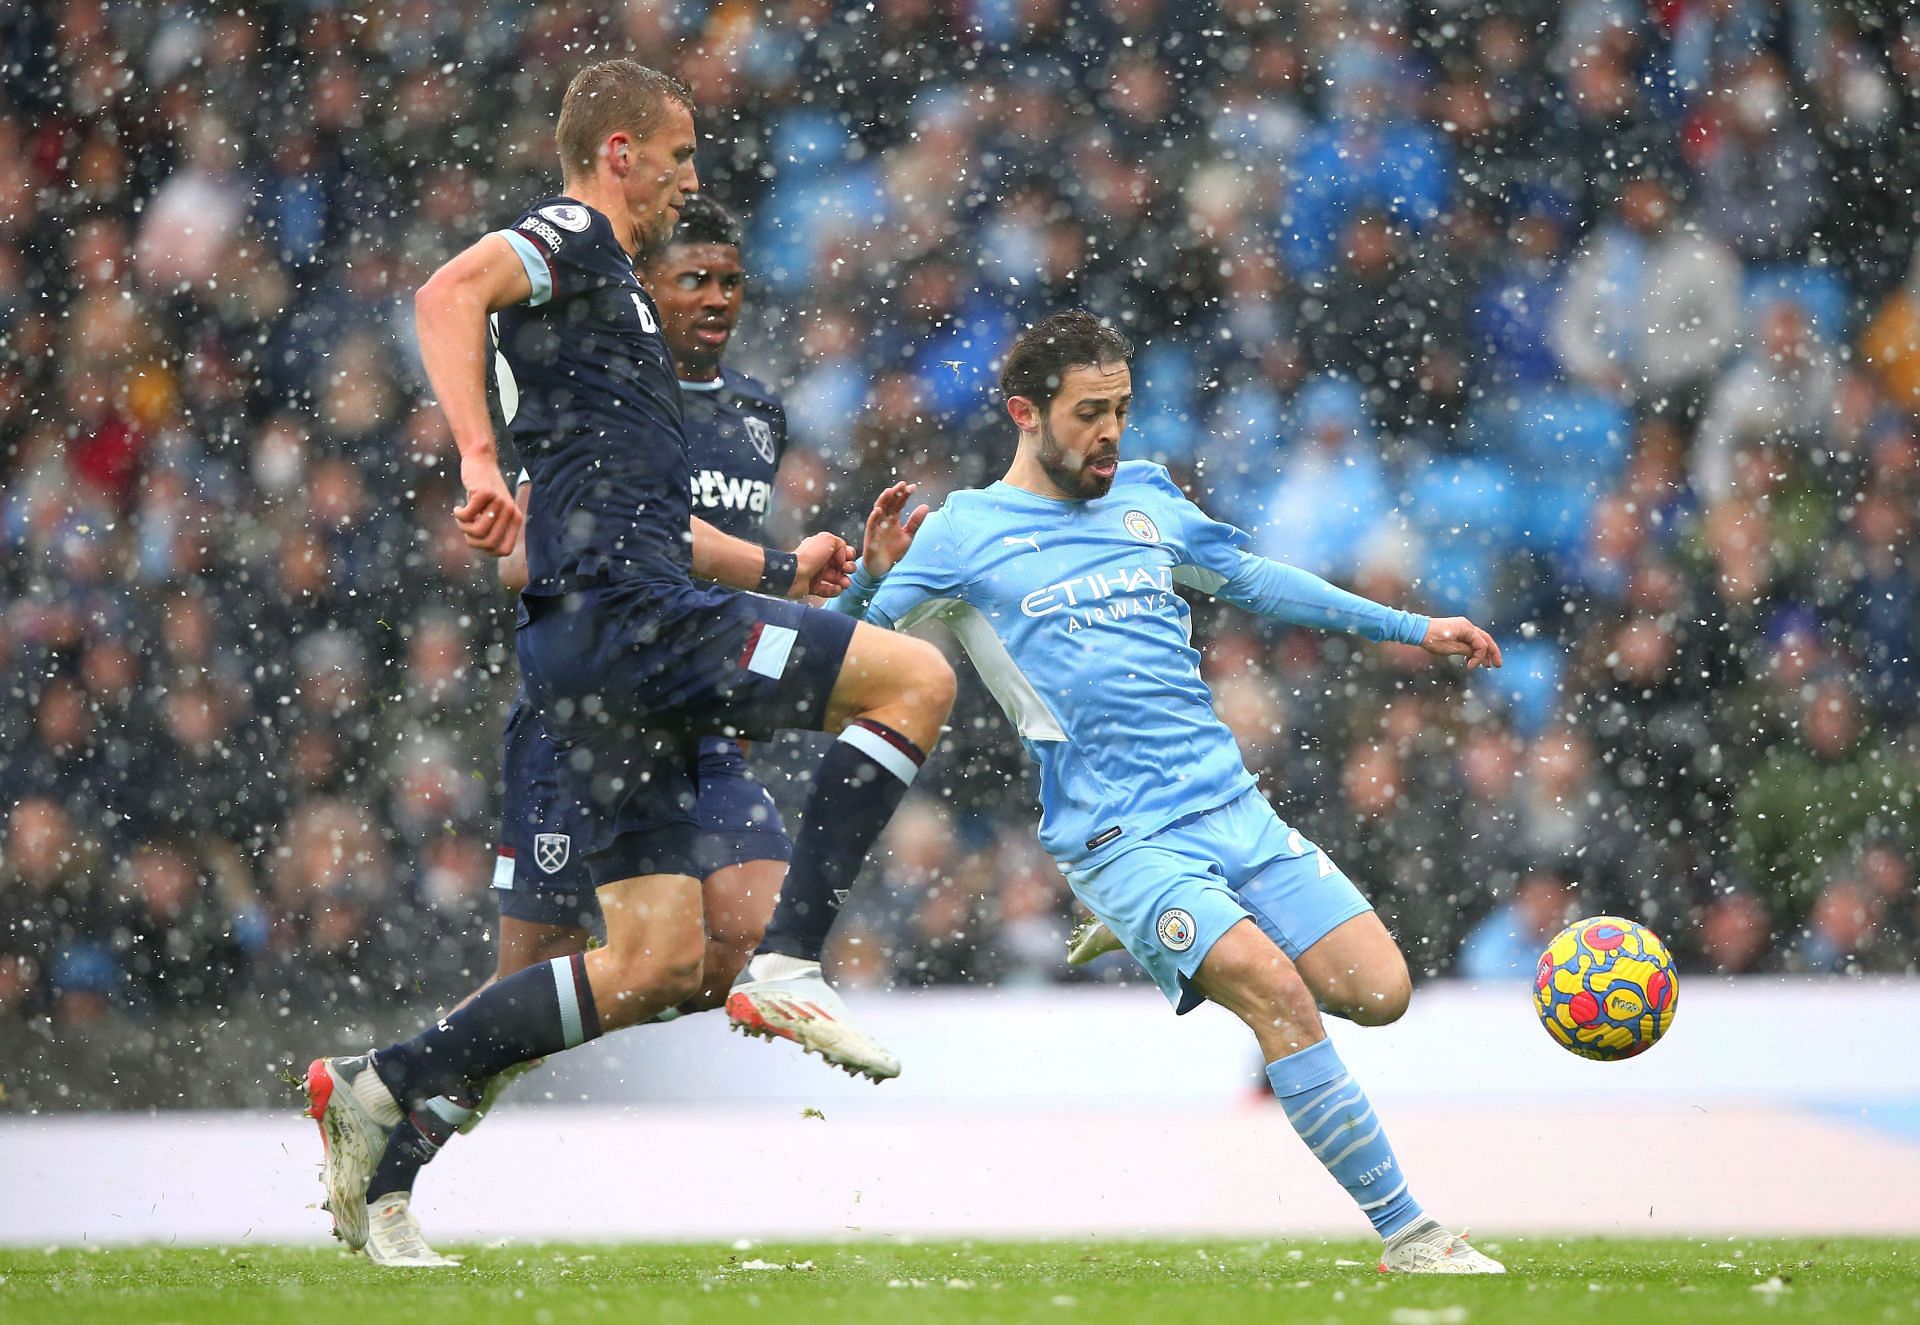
(1031, 540)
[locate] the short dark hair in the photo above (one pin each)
(1042, 355)
(605, 98)
(704, 221)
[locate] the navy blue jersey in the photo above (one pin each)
(736, 433)
(590, 397)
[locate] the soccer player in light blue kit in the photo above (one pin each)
(1061, 581)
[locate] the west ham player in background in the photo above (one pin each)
(626, 659)
(1060, 581)
(736, 434)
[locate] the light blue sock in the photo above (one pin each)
(1331, 1113)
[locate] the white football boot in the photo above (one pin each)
(792, 1001)
(394, 1237)
(1090, 938)
(1427, 1248)
(350, 1136)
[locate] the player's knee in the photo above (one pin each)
(680, 982)
(934, 687)
(737, 926)
(666, 973)
(670, 979)
(1258, 984)
(1385, 1003)
(927, 679)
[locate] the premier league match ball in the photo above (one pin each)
(1605, 988)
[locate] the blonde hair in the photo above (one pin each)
(607, 98)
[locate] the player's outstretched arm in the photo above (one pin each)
(886, 541)
(888, 537)
(450, 314)
(822, 564)
(1455, 636)
(1297, 597)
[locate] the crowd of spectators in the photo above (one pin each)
(1595, 320)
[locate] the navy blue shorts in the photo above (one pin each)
(630, 677)
(537, 876)
(738, 820)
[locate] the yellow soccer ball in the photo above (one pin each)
(1605, 988)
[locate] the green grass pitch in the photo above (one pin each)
(1550, 1282)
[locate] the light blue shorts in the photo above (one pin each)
(1171, 898)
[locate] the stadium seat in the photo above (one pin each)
(1818, 291)
(1456, 578)
(1559, 510)
(1528, 684)
(956, 367)
(1557, 431)
(1466, 512)
(1471, 500)
(808, 139)
(804, 212)
(1165, 378)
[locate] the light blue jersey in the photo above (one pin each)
(1070, 612)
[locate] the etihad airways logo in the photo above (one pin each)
(1085, 591)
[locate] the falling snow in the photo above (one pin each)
(1597, 322)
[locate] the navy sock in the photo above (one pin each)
(855, 791)
(413, 1144)
(541, 1010)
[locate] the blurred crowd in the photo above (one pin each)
(1596, 320)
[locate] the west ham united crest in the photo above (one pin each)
(550, 851)
(760, 433)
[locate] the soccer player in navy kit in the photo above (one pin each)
(736, 434)
(628, 661)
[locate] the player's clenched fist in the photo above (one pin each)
(489, 517)
(1455, 636)
(826, 565)
(887, 538)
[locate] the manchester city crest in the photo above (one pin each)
(550, 851)
(1176, 929)
(1142, 527)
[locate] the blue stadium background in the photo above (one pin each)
(1596, 320)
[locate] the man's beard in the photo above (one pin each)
(1071, 477)
(652, 239)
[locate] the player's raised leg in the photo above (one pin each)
(1247, 973)
(1358, 972)
(888, 704)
